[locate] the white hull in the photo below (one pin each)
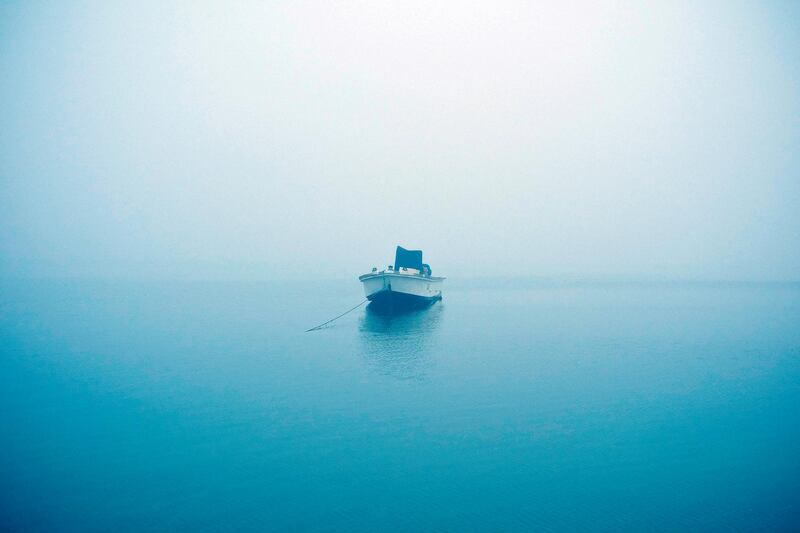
(380, 284)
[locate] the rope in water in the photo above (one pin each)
(338, 317)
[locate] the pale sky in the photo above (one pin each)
(283, 140)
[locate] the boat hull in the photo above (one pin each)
(401, 291)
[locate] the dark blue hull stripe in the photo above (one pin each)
(400, 299)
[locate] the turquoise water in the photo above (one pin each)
(535, 406)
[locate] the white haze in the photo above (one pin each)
(285, 140)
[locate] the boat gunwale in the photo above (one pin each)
(420, 277)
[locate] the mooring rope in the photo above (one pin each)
(338, 317)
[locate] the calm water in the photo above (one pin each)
(204, 406)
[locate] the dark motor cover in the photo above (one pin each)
(407, 258)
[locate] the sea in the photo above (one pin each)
(511, 405)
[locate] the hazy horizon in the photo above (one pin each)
(254, 141)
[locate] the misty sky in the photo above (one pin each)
(281, 140)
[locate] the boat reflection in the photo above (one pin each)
(398, 343)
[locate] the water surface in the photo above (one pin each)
(205, 406)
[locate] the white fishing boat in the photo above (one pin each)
(407, 283)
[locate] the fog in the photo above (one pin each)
(293, 140)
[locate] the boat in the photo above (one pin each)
(408, 283)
